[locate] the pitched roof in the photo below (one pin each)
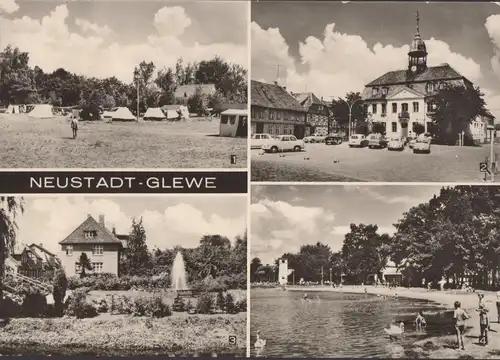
(39, 248)
(104, 236)
(189, 90)
(273, 96)
(432, 73)
(307, 99)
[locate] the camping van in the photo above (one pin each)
(233, 122)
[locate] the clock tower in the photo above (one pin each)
(417, 56)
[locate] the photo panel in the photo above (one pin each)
(123, 84)
(388, 271)
(374, 91)
(124, 275)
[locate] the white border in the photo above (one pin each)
(249, 176)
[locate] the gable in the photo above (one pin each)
(406, 93)
(103, 235)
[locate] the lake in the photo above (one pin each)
(337, 324)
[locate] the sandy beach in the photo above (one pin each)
(441, 346)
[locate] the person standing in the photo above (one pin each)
(484, 324)
(460, 316)
(498, 307)
(74, 126)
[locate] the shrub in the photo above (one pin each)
(157, 307)
(121, 305)
(34, 305)
(230, 305)
(221, 301)
(102, 306)
(78, 305)
(179, 304)
(189, 306)
(60, 285)
(241, 305)
(140, 306)
(205, 304)
(9, 308)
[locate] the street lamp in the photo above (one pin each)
(350, 105)
(331, 277)
(491, 129)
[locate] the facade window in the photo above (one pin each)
(69, 250)
(394, 107)
(285, 115)
(394, 127)
(292, 116)
(278, 115)
(430, 107)
(261, 114)
(441, 86)
(232, 119)
(429, 87)
(384, 109)
(415, 106)
(90, 234)
(374, 91)
(320, 107)
(271, 115)
(253, 112)
(404, 107)
(78, 268)
(97, 267)
(97, 250)
(385, 91)
(223, 119)
(374, 108)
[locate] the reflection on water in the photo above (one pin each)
(336, 324)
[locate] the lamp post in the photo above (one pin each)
(137, 79)
(330, 276)
(350, 105)
(491, 129)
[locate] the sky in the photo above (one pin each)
(334, 48)
(104, 38)
(283, 217)
(168, 220)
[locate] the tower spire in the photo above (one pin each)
(418, 23)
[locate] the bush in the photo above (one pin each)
(221, 301)
(60, 285)
(34, 305)
(78, 306)
(102, 306)
(205, 304)
(9, 308)
(241, 305)
(140, 306)
(121, 305)
(230, 305)
(157, 308)
(179, 304)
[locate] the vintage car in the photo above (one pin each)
(358, 140)
(314, 139)
(422, 145)
(284, 143)
(258, 140)
(333, 139)
(396, 143)
(377, 141)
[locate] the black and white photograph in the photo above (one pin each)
(123, 84)
(375, 91)
(123, 275)
(398, 271)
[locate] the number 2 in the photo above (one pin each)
(483, 167)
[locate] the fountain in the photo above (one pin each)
(179, 283)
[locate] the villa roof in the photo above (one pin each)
(103, 236)
(432, 73)
(273, 96)
(307, 99)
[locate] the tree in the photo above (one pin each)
(255, 265)
(198, 103)
(378, 128)
(363, 252)
(84, 263)
(339, 110)
(418, 128)
(60, 285)
(137, 258)
(17, 80)
(10, 208)
(454, 109)
(166, 82)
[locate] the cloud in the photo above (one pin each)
(92, 50)
(8, 6)
(388, 199)
(337, 62)
(278, 227)
(50, 220)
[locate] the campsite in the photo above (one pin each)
(46, 142)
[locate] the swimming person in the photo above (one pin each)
(420, 321)
(74, 126)
(459, 316)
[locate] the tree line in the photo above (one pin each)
(455, 236)
(454, 108)
(22, 84)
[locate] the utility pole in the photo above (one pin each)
(137, 79)
(278, 73)
(491, 129)
(330, 276)
(322, 276)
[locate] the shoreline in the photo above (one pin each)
(438, 346)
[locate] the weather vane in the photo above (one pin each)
(418, 20)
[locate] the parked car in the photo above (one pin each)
(314, 139)
(377, 141)
(422, 145)
(358, 140)
(284, 143)
(333, 139)
(258, 140)
(396, 144)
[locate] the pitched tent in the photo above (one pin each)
(172, 112)
(108, 114)
(233, 122)
(41, 111)
(13, 109)
(124, 114)
(154, 113)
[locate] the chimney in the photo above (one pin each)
(114, 231)
(276, 83)
(89, 216)
(101, 220)
(41, 245)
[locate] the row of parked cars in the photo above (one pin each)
(280, 143)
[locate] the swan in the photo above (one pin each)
(259, 343)
(394, 331)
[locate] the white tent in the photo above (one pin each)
(233, 122)
(154, 113)
(107, 114)
(41, 111)
(123, 113)
(172, 111)
(13, 109)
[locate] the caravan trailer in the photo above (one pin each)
(233, 123)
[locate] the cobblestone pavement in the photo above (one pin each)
(320, 162)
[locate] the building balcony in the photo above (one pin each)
(405, 115)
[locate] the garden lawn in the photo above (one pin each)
(47, 143)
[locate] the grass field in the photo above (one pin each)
(124, 335)
(47, 143)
